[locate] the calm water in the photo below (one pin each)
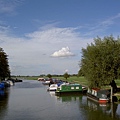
(30, 100)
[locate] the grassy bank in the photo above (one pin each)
(71, 79)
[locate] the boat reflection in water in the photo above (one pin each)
(29, 100)
(67, 97)
(4, 98)
(88, 108)
(99, 111)
(2, 93)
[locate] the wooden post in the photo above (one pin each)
(112, 114)
(111, 94)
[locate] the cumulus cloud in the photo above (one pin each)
(64, 52)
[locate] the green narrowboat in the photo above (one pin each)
(70, 89)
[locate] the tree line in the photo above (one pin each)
(4, 65)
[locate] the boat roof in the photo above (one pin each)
(96, 89)
(72, 84)
(102, 91)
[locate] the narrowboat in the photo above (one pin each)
(70, 89)
(98, 95)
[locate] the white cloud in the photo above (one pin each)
(30, 55)
(64, 52)
(8, 6)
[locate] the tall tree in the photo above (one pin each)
(49, 76)
(101, 61)
(80, 73)
(4, 67)
(66, 75)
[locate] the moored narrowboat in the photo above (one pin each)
(98, 95)
(70, 89)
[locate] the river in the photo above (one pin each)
(30, 100)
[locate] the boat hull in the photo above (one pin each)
(96, 99)
(53, 87)
(70, 92)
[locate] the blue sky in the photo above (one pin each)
(46, 36)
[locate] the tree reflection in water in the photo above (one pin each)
(4, 96)
(98, 111)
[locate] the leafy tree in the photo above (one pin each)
(4, 67)
(101, 61)
(66, 75)
(49, 76)
(80, 73)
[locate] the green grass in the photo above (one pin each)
(117, 82)
(72, 79)
(80, 80)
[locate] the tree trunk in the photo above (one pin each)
(111, 94)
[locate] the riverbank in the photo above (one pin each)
(71, 79)
(37, 103)
(80, 80)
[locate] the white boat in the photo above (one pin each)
(53, 87)
(46, 82)
(41, 79)
(11, 83)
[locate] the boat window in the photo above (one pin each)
(104, 96)
(95, 93)
(77, 87)
(72, 87)
(89, 91)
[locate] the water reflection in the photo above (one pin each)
(30, 100)
(4, 98)
(28, 84)
(89, 109)
(2, 93)
(98, 111)
(69, 98)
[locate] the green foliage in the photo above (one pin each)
(101, 61)
(49, 76)
(66, 75)
(4, 67)
(80, 73)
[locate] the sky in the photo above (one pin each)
(47, 36)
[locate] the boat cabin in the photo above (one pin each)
(99, 95)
